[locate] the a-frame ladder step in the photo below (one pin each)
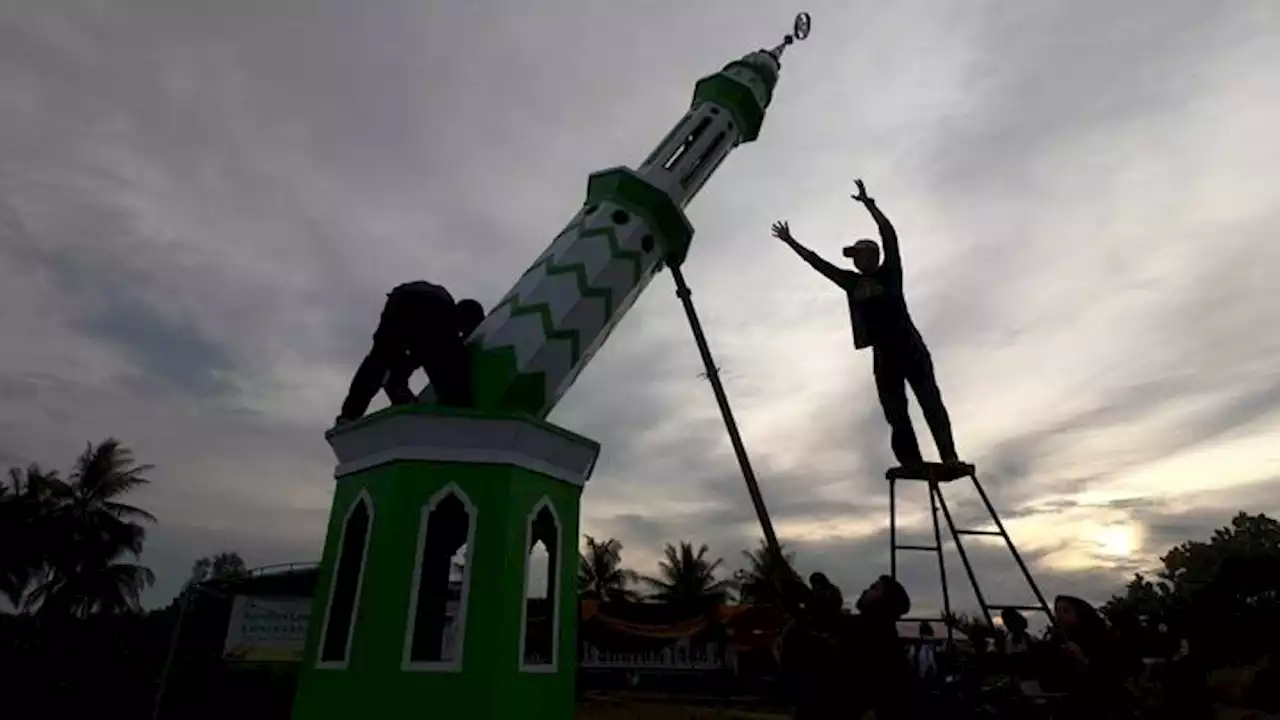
(931, 472)
(936, 475)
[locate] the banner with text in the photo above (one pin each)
(267, 629)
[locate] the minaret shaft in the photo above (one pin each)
(534, 344)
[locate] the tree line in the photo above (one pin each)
(71, 547)
(1222, 594)
(687, 578)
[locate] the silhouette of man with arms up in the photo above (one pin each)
(878, 311)
(421, 327)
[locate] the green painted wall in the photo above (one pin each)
(490, 684)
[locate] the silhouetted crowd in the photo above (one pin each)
(840, 663)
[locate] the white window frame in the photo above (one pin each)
(553, 584)
(321, 663)
(464, 599)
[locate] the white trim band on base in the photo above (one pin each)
(464, 439)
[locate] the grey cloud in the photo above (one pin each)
(1043, 506)
(1052, 71)
(218, 195)
(1196, 517)
(1163, 533)
(1135, 503)
(1018, 457)
(164, 348)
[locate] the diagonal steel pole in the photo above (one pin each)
(753, 487)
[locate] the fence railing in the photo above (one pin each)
(279, 568)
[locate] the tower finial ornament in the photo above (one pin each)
(799, 31)
(801, 27)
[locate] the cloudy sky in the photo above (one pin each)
(202, 204)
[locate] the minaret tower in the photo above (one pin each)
(545, 330)
(428, 603)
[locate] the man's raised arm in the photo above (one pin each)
(888, 236)
(831, 272)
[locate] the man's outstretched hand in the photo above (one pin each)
(862, 196)
(783, 232)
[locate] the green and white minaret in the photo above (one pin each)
(425, 604)
(532, 346)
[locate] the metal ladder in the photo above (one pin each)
(935, 475)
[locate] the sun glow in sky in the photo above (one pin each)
(1118, 541)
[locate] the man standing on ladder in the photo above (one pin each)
(878, 310)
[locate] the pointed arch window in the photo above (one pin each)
(689, 141)
(704, 162)
(348, 578)
(441, 588)
(540, 631)
(666, 141)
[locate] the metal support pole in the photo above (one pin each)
(964, 557)
(185, 600)
(1009, 541)
(893, 528)
(934, 492)
(753, 487)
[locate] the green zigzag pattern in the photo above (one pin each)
(579, 270)
(543, 311)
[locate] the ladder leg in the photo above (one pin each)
(893, 528)
(1009, 541)
(934, 491)
(964, 558)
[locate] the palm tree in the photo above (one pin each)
(763, 581)
(687, 579)
(600, 572)
(85, 571)
(28, 504)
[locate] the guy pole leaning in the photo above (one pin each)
(800, 31)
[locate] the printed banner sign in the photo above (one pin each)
(267, 629)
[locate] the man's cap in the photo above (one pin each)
(848, 249)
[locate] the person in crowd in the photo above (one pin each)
(1085, 662)
(839, 664)
(1016, 637)
(925, 660)
(883, 677)
(813, 659)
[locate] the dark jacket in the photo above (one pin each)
(877, 306)
(840, 666)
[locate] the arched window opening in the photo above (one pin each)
(675, 132)
(438, 607)
(539, 642)
(348, 576)
(689, 140)
(692, 189)
(703, 158)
